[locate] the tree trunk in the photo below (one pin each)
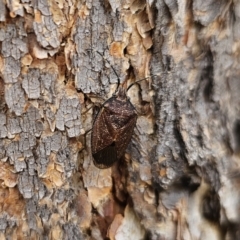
(179, 178)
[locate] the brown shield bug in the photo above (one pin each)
(113, 127)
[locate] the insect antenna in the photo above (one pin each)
(139, 81)
(118, 83)
(153, 75)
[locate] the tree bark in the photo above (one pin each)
(179, 178)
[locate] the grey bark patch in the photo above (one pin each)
(11, 70)
(68, 116)
(72, 232)
(17, 9)
(2, 97)
(38, 84)
(62, 195)
(48, 81)
(15, 48)
(9, 32)
(48, 144)
(31, 210)
(3, 129)
(65, 159)
(31, 122)
(55, 142)
(26, 185)
(114, 5)
(31, 84)
(6, 221)
(30, 186)
(2, 149)
(13, 126)
(19, 166)
(3, 224)
(19, 151)
(50, 116)
(47, 33)
(27, 141)
(208, 10)
(43, 6)
(89, 65)
(32, 166)
(44, 213)
(2, 11)
(13, 152)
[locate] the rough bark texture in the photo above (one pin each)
(179, 178)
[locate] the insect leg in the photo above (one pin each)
(139, 81)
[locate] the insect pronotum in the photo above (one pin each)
(113, 126)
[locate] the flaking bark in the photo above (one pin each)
(179, 178)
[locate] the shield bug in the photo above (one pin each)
(113, 127)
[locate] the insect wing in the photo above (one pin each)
(102, 142)
(124, 136)
(112, 132)
(106, 157)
